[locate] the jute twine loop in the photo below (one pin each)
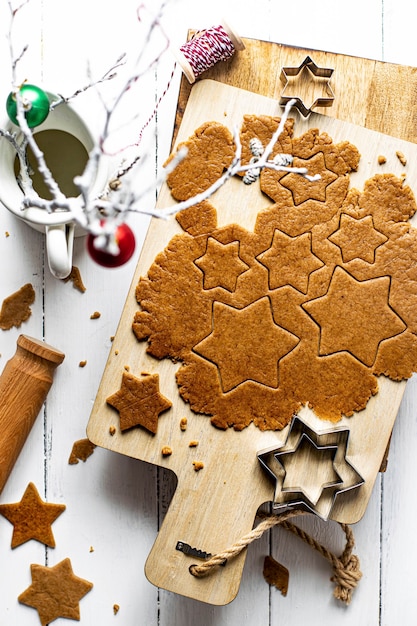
(346, 568)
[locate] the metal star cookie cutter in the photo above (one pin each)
(317, 72)
(341, 477)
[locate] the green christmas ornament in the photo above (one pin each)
(35, 102)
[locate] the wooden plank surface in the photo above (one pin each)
(212, 100)
(115, 504)
(374, 94)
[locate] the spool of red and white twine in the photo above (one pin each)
(206, 48)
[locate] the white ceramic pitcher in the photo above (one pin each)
(59, 226)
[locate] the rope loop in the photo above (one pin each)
(346, 577)
(346, 568)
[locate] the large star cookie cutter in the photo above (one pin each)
(311, 74)
(310, 469)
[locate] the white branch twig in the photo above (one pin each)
(101, 214)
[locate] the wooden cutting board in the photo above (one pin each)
(213, 508)
(374, 94)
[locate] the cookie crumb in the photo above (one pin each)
(82, 363)
(15, 309)
(198, 465)
(7, 234)
(401, 158)
(127, 368)
(91, 549)
(183, 423)
(276, 574)
(75, 277)
(95, 315)
(81, 450)
(382, 159)
(116, 352)
(112, 430)
(193, 444)
(166, 451)
(116, 608)
(112, 338)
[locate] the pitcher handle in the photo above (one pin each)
(59, 247)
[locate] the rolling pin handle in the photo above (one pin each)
(24, 385)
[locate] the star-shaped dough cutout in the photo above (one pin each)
(246, 344)
(357, 238)
(139, 402)
(303, 189)
(55, 592)
(290, 261)
(347, 324)
(221, 264)
(32, 518)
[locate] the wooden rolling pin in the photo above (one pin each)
(24, 385)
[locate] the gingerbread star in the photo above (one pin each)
(246, 344)
(221, 264)
(357, 238)
(303, 189)
(290, 261)
(55, 592)
(32, 518)
(346, 326)
(139, 402)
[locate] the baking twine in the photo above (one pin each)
(206, 48)
(346, 572)
(200, 53)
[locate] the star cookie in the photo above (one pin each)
(55, 592)
(139, 402)
(32, 518)
(340, 322)
(247, 336)
(221, 264)
(357, 238)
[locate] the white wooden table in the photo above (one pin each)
(115, 504)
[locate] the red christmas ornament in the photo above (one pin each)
(126, 242)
